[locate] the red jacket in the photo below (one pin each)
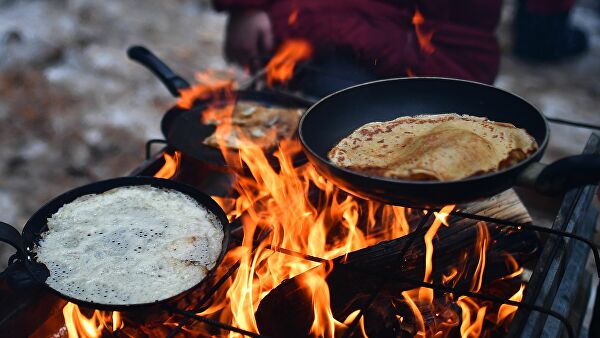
(382, 35)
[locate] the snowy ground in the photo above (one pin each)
(569, 90)
(73, 109)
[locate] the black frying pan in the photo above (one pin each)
(183, 128)
(339, 114)
(36, 226)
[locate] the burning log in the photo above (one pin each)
(380, 270)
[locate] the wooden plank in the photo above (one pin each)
(505, 206)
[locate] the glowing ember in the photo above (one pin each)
(423, 37)
(280, 68)
(80, 326)
(473, 312)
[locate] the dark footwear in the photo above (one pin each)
(546, 37)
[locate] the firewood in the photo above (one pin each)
(288, 311)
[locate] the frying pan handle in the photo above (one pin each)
(146, 58)
(10, 235)
(567, 173)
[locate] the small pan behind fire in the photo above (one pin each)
(37, 225)
(185, 132)
(183, 128)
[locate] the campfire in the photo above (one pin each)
(298, 229)
(311, 258)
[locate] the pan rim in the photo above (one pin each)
(113, 183)
(526, 162)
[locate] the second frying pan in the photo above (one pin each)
(37, 225)
(339, 114)
(183, 128)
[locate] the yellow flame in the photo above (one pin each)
(421, 332)
(361, 322)
(80, 326)
(481, 245)
(471, 327)
(441, 217)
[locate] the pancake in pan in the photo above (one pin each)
(440, 147)
(252, 122)
(129, 245)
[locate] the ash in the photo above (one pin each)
(74, 109)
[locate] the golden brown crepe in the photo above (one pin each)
(256, 123)
(433, 147)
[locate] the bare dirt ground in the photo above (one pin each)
(74, 109)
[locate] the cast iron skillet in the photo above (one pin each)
(337, 115)
(36, 226)
(183, 128)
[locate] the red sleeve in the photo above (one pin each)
(232, 5)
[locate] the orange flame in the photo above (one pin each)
(423, 37)
(169, 169)
(361, 322)
(80, 326)
(277, 204)
(481, 245)
(324, 324)
(450, 276)
(512, 264)
(471, 327)
(426, 294)
(281, 67)
(508, 311)
(408, 297)
(209, 86)
(279, 201)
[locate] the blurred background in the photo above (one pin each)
(74, 109)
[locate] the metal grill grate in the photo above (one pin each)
(190, 314)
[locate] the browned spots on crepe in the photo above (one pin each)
(433, 147)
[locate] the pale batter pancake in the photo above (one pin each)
(129, 245)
